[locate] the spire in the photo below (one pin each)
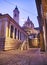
(28, 19)
(16, 9)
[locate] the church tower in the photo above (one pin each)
(16, 15)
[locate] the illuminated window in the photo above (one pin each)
(11, 32)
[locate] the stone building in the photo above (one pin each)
(32, 32)
(11, 34)
(42, 19)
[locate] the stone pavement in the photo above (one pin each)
(27, 57)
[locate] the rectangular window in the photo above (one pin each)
(15, 32)
(11, 32)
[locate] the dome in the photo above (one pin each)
(29, 23)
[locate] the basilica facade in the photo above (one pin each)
(33, 33)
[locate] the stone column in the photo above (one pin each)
(27, 43)
(9, 29)
(17, 34)
(6, 25)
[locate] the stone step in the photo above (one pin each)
(33, 50)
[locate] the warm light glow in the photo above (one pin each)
(17, 37)
(9, 32)
(6, 31)
(35, 42)
(23, 46)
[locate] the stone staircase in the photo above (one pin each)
(23, 46)
(33, 50)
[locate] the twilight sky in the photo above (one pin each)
(26, 8)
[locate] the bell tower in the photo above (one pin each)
(16, 15)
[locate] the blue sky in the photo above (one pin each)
(26, 8)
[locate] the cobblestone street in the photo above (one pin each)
(27, 57)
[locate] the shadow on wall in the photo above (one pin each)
(2, 44)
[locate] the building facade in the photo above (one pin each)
(11, 34)
(42, 19)
(32, 32)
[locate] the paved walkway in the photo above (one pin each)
(27, 57)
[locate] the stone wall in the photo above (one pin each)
(12, 44)
(2, 24)
(2, 43)
(9, 44)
